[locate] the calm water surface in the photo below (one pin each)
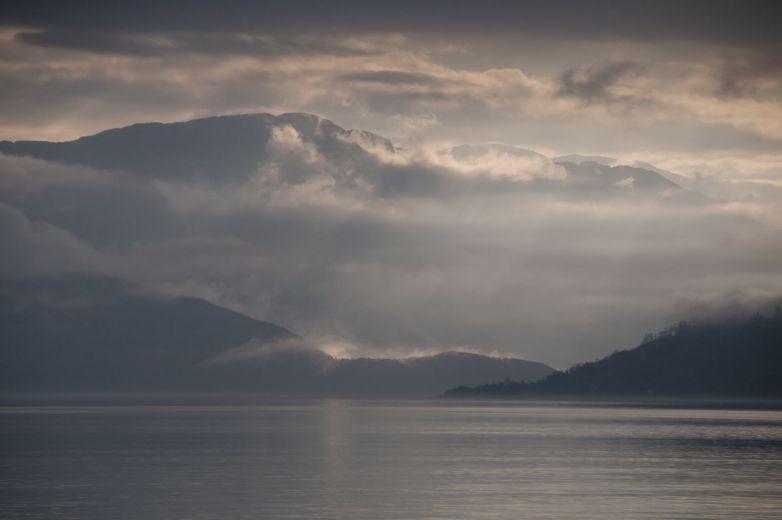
(343, 459)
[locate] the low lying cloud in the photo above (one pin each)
(33, 248)
(734, 306)
(373, 250)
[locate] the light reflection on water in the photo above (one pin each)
(343, 459)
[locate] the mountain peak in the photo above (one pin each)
(224, 148)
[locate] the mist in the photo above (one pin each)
(369, 249)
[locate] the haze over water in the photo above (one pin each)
(353, 459)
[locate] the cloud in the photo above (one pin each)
(183, 43)
(595, 83)
(755, 73)
(39, 249)
(99, 42)
(392, 77)
(61, 83)
(98, 208)
(733, 306)
(424, 246)
(340, 237)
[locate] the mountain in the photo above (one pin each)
(426, 375)
(233, 148)
(610, 161)
(89, 333)
(578, 159)
(681, 180)
(293, 149)
(710, 360)
(597, 176)
(477, 151)
(95, 334)
(224, 148)
(295, 368)
(593, 174)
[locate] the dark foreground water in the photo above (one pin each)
(371, 460)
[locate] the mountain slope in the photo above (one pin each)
(427, 375)
(594, 175)
(233, 148)
(225, 148)
(92, 333)
(95, 334)
(297, 369)
(578, 159)
(736, 359)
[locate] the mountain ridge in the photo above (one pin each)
(724, 359)
(228, 147)
(91, 333)
(231, 148)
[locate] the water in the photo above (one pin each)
(342, 459)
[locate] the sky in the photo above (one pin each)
(694, 88)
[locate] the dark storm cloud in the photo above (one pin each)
(715, 21)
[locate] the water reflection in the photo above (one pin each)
(341, 459)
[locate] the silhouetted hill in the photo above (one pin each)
(91, 333)
(220, 148)
(95, 334)
(295, 368)
(473, 151)
(233, 148)
(728, 359)
(578, 159)
(427, 375)
(595, 175)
